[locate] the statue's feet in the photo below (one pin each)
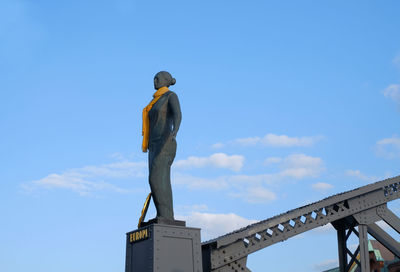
(164, 221)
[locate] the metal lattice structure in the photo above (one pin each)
(355, 211)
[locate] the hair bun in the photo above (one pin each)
(173, 81)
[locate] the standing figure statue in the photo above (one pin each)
(161, 121)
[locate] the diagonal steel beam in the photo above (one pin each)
(384, 238)
(353, 258)
(389, 217)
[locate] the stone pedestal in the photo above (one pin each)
(163, 248)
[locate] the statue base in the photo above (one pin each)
(163, 248)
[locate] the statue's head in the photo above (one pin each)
(163, 79)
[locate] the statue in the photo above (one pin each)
(161, 121)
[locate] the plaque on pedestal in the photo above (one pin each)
(163, 248)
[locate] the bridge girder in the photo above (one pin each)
(361, 207)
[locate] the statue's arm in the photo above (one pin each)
(176, 113)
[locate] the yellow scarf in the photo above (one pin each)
(146, 121)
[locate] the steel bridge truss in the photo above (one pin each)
(353, 212)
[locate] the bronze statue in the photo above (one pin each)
(161, 121)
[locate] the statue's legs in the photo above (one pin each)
(160, 181)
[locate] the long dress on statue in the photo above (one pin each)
(165, 117)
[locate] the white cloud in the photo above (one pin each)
(359, 175)
(117, 156)
(219, 160)
(248, 141)
(272, 160)
(213, 224)
(278, 140)
(390, 141)
(89, 179)
(71, 182)
(326, 264)
(296, 166)
(389, 147)
(256, 194)
(300, 166)
(251, 188)
(272, 140)
(245, 187)
(217, 145)
(393, 92)
(322, 186)
(124, 169)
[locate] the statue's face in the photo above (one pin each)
(156, 83)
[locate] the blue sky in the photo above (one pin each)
(284, 103)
